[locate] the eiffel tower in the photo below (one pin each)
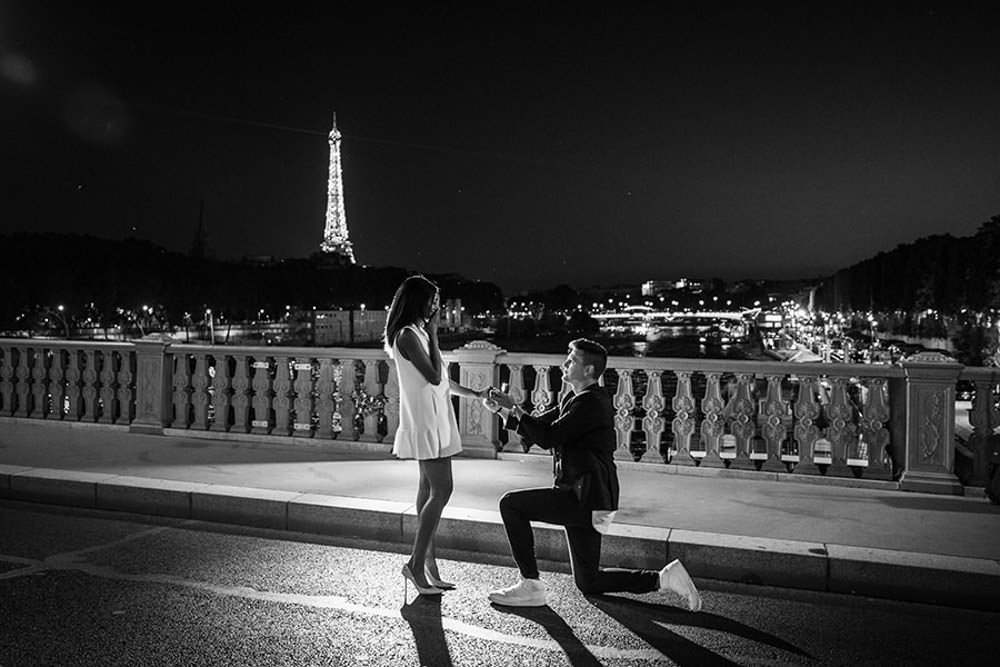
(336, 246)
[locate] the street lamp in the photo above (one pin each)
(211, 326)
(59, 313)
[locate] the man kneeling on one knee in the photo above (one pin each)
(580, 433)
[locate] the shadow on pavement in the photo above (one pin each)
(943, 504)
(647, 621)
(577, 654)
(424, 617)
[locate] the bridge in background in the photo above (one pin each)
(645, 314)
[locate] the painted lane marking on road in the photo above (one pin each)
(70, 561)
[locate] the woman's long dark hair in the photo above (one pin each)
(408, 307)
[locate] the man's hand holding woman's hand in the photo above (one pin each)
(496, 399)
(502, 399)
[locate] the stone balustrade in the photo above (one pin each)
(843, 421)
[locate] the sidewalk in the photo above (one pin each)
(866, 540)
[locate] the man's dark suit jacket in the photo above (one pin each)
(581, 435)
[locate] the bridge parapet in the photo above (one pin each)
(852, 423)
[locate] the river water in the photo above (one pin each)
(677, 342)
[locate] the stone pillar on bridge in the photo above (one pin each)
(152, 384)
(930, 424)
(477, 370)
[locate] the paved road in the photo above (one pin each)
(86, 588)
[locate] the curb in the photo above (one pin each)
(898, 575)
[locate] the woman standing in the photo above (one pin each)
(428, 431)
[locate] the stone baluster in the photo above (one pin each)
(182, 391)
(391, 400)
(841, 431)
(240, 399)
(110, 361)
(874, 416)
(222, 397)
(683, 424)
(57, 385)
(742, 412)
(327, 399)
(154, 382)
(984, 417)
(23, 385)
(40, 384)
(478, 370)
(90, 385)
(713, 424)
(348, 380)
(624, 403)
(199, 394)
(774, 416)
(930, 424)
(261, 401)
(541, 397)
(372, 388)
(807, 411)
(653, 424)
(303, 403)
(515, 387)
(282, 402)
(74, 400)
(126, 392)
(6, 375)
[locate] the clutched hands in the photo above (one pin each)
(498, 399)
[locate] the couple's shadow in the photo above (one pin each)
(648, 622)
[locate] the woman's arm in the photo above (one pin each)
(465, 392)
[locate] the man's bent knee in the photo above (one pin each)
(587, 583)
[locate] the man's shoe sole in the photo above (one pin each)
(506, 602)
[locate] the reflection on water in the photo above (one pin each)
(675, 343)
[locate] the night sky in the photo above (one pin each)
(525, 144)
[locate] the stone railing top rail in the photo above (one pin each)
(67, 344)
(759, 368)
(265, 351)
(990, 374)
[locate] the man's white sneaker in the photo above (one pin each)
(673, 577)
(526, 593)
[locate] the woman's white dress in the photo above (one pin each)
(427, 425)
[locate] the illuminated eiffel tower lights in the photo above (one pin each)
(335, 239)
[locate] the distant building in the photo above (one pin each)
(453, 316)
(348, 327)
(259, 260)
(657, 287)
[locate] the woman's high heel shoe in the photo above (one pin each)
(423, 590)
(437, 583)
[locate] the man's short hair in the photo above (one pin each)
(593, 354)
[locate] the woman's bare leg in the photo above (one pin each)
(433, 493)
